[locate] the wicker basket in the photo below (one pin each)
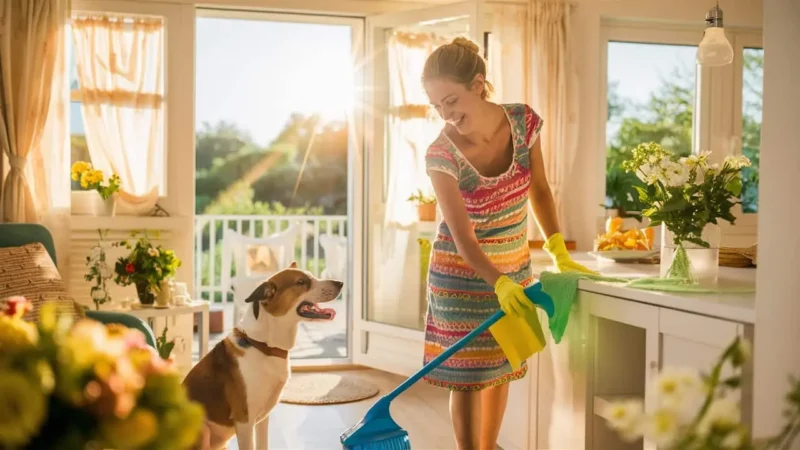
(738, 257)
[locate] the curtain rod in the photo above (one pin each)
(527, 2)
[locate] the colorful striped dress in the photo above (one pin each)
(458, 298)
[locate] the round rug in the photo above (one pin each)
(326, 389)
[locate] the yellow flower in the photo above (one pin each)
(15, 333)
(662, 427)
(22, 409)
(134, 431)
(78, 169)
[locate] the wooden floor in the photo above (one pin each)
(422, 411)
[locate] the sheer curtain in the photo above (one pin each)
(412, 126)
(554, 95)
(31, 45)
(120, 65)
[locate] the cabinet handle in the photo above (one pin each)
(653, 365)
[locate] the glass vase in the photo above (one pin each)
(703, 262)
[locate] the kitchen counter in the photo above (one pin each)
(737, 307)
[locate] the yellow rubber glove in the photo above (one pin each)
(511, 296)
(557, 249)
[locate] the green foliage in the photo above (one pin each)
(666, 119)
(146, 264)
(99, 271)
(422, 198)
(309, 167)
(164, 346)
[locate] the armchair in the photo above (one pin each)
(18, 234)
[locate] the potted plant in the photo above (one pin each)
(426, 206)
(688, 196)
(86, 202)
(99, 272)
(85, 385)
(147, 267)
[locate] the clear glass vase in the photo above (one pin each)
(704, 262)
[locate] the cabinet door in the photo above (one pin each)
(695, 341)
(624, 356)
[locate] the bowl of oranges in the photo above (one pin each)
(619, 245)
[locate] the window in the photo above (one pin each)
(650, 97)
(752, 101)
(116, 78)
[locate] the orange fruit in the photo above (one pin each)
(613, 224)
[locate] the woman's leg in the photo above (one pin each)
(465, 412)
(493, 406)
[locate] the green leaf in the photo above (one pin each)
(734, 186)
(676, 203)
(643, 196)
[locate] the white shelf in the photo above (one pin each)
(130, 223)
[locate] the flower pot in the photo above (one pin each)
(145, 293)
(426, 212)
(90, 203)
(703, 262)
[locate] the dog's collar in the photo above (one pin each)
(246, 341)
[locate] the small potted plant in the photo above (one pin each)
(426, 206)
(147, 267)
(99, 272)
(86, 202)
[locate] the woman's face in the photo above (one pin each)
(455, 103)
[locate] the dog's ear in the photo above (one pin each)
(293, 265)
(263, 293)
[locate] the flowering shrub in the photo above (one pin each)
(94, 179)
(147, 265)
(87, 385)
(688, 193)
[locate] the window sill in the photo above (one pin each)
(82, 223)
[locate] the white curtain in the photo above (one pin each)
(412, 126)
(508, 61)
(31, 51)
(120, 65)
(554, 95)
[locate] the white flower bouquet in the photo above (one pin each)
(685, 194)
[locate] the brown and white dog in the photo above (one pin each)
(240, 380)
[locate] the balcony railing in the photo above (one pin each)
(308, 251)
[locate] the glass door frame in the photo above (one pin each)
(396, 339)
(354, 152)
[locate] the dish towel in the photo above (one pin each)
(563, 289)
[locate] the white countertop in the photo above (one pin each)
(737, 307)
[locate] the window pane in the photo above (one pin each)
(651, 94)
(752, 100)
(77, 138)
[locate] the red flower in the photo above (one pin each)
(130, 268)
(17, 306)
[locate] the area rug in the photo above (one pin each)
(326, 389)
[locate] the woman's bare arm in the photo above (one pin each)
(544, 207)
(455, 215)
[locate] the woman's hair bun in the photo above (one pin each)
(466, 43)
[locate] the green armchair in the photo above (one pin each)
(18, 234)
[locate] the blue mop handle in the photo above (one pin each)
(445, 355)
(534, 293)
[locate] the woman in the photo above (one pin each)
(484, 166)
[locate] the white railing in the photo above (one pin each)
(309, 254)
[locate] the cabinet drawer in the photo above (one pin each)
(697, 328)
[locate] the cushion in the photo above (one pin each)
(30, 272)
(261, 260)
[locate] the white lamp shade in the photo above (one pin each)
(714, 50)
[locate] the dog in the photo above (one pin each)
(240, 380)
